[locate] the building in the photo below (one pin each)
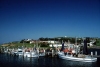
(51, 42)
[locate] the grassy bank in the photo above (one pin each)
(28, 45)
(98, 42)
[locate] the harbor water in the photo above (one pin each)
(7, 60)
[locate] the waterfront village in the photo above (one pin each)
(76, 48)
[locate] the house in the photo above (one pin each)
(52, 42)
(32, 41)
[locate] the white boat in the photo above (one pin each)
(87, 58)
(15, 52)
(41, 54)
(5, 51)
(32, 54)
(26, 54)
(20, 53)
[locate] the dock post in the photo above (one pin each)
(44, 51)
(95, 53)
(38, 53)
(58, 50)
(52, 53)
(48, 53)
(91, 53)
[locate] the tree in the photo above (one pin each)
(23, 40)
(44, 45)
(46, 39)
(41, 39)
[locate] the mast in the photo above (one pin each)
(76, 40)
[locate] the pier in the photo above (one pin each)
(48, 52)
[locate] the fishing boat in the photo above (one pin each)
(20, 52)
(15, 52)
(26, 53)
(41, 54)
(86, 58)
(32, 54)
(82, 58)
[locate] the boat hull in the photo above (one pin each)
(30, 54)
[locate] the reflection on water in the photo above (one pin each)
(14, 61)
(93, 50)
(78, 64)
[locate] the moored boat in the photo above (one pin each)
(20, 52)
(86, 58)
(74, 55)
(32, 54)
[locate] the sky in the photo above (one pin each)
(23, 19)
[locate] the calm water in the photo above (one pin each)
(13, 61)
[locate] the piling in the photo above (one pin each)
(38, 53)
(91, 53)
(52, 53)
(95, 53)
(48, 53)
(44, 51)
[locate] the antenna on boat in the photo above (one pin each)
(85, 51)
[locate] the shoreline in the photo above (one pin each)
(94, 47)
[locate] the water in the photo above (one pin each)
(14, 61)
(11, 61)
(93, 50)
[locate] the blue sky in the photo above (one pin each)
(21, 19)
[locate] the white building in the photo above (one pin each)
(27, 39)
(52, 42)
(57, 45)
(31, 42)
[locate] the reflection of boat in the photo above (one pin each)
(80, 57)
(77, 63)
(70, 57)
